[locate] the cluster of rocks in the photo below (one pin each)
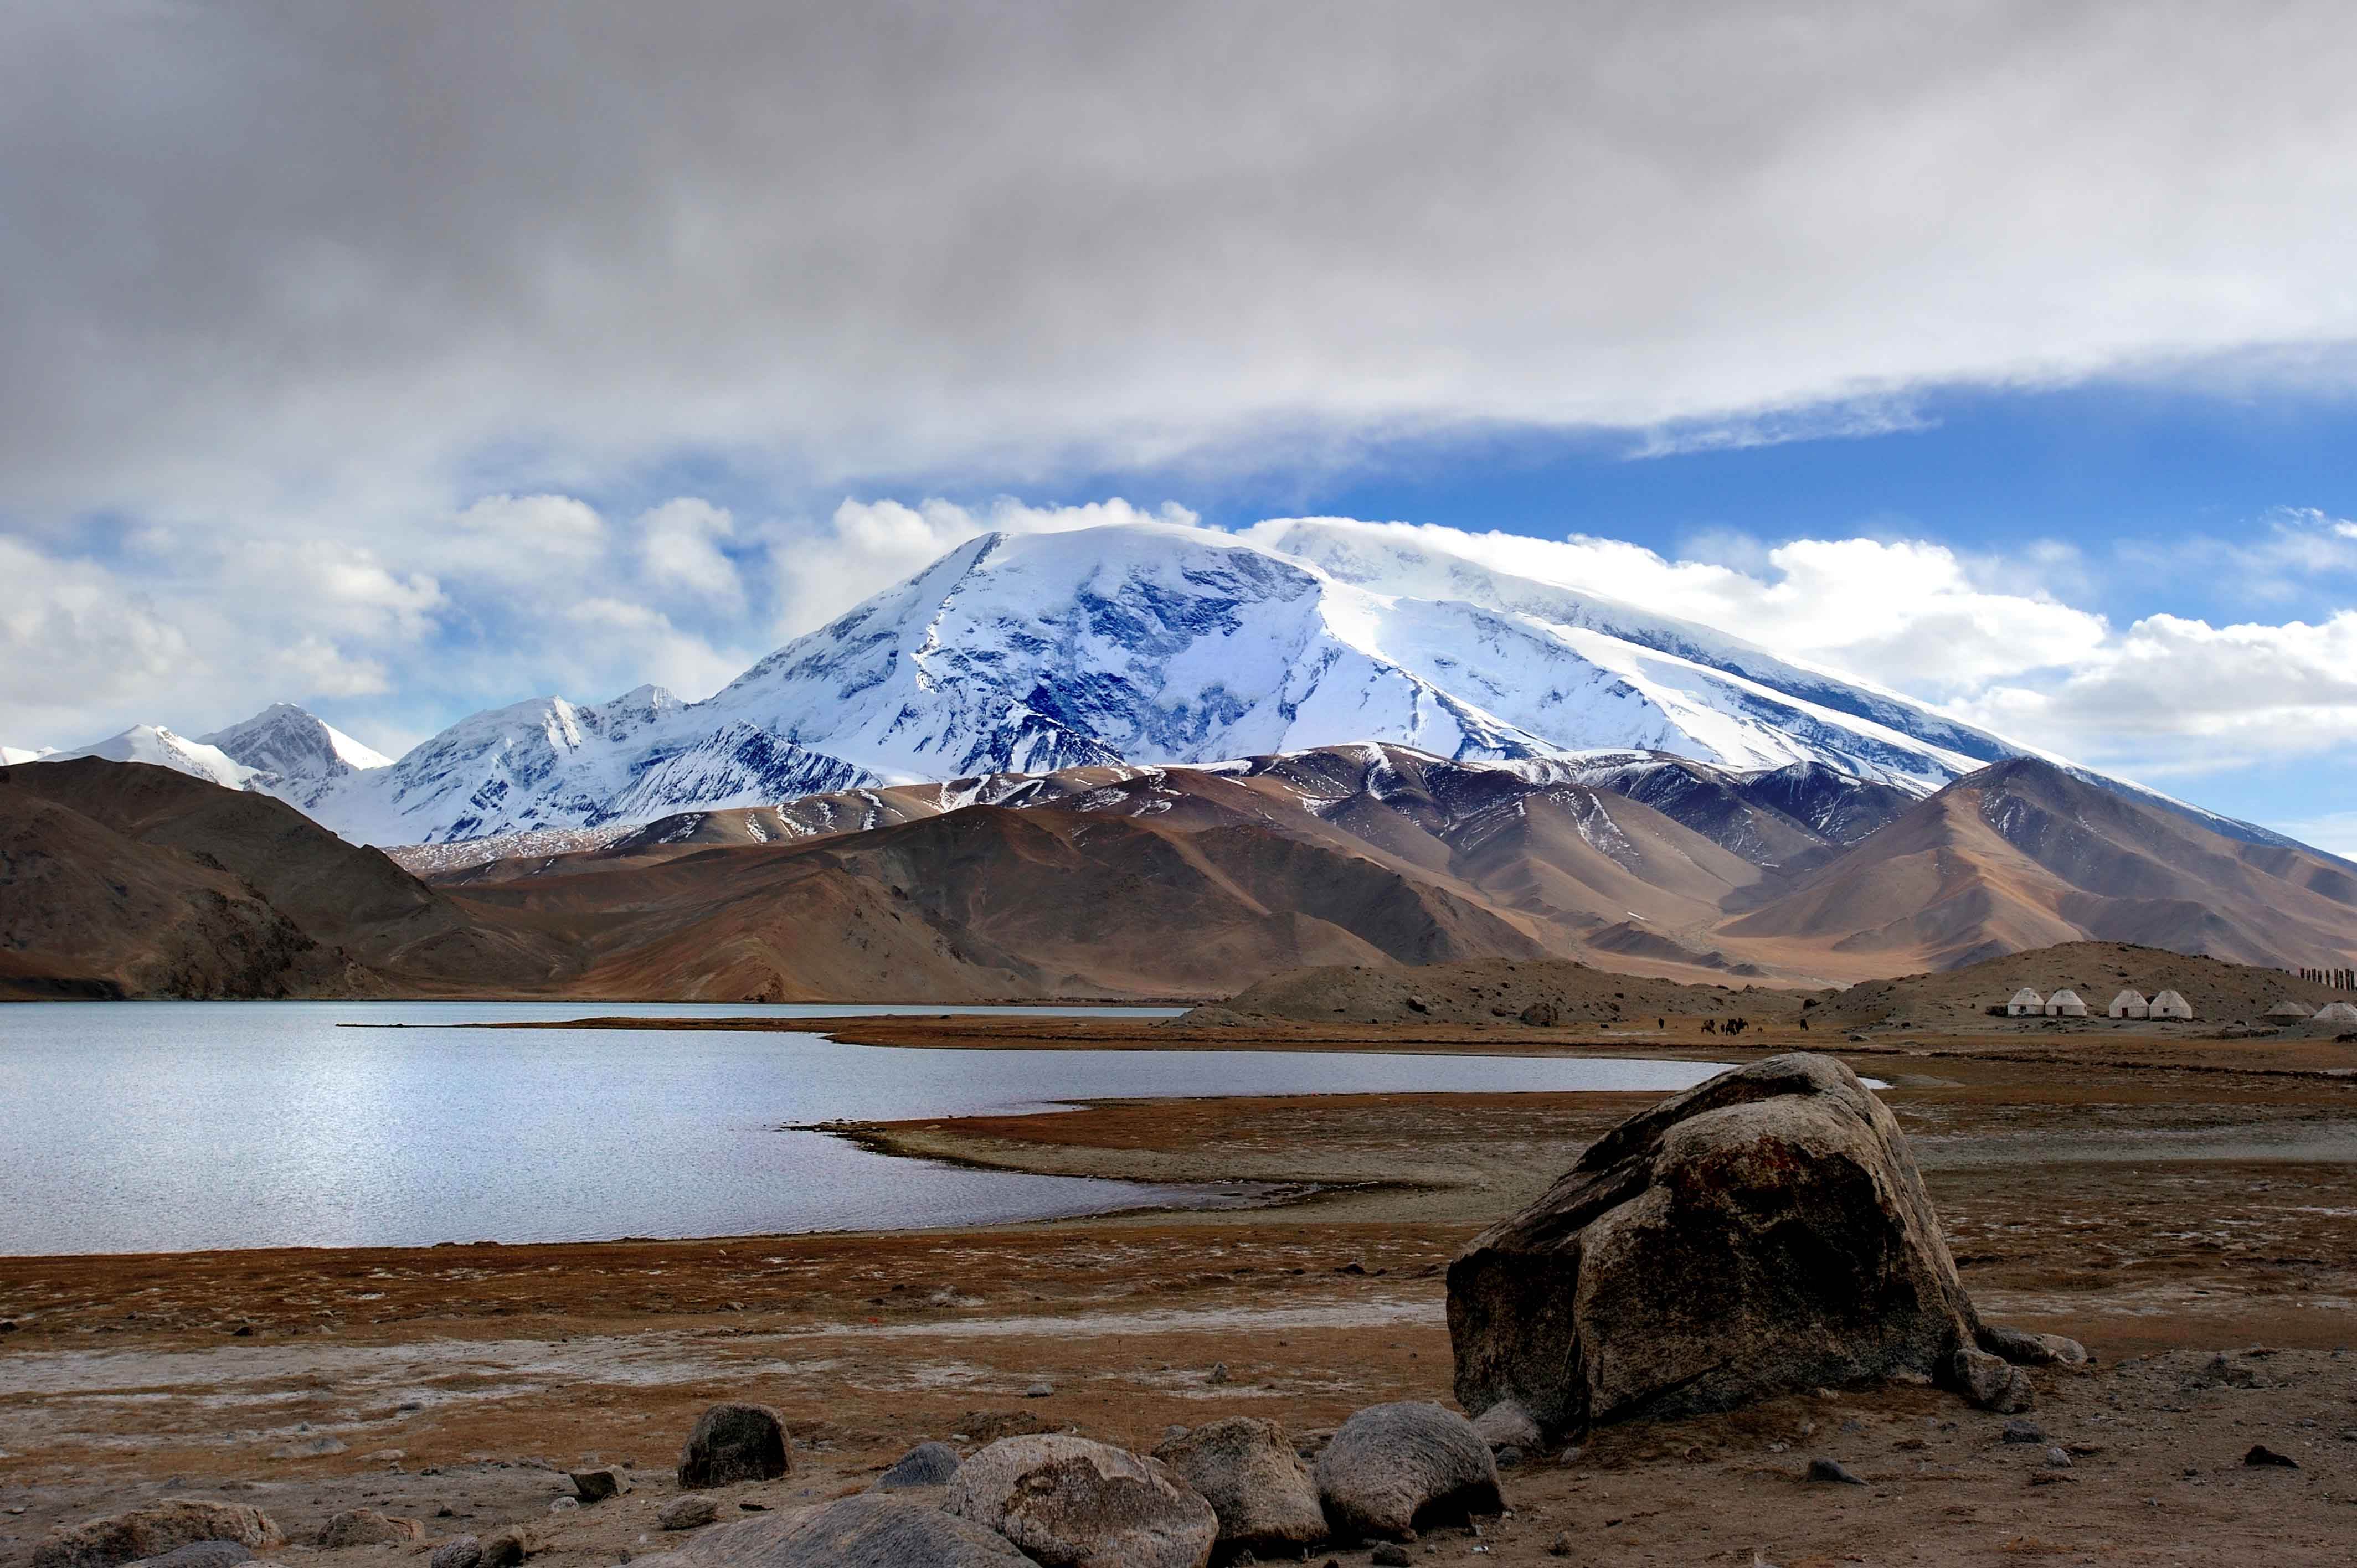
(1764, 1233)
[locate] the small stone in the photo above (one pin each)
(507, 1548)
(1509, 1456)
(1561, 1545)
(2023, 1431)
(681, 1513)
(596, 1486)
(1388, 1555)
(1831, 1472)
(1507, 1424)
(926, 1464)
(1990, 1382)
(366, 1527)
(2261, 1455)
(1041, 1391)
(461, 1551)
(2058, 1459)
(564, 1505)
(1218, 1374)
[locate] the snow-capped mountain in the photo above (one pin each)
(159, 748)
(1156, 643)
(12, 754)
(298, 755)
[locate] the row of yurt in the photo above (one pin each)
(2130, 1004)
(2028, 1004)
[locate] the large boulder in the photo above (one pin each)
(154, 1530)
(735, 1442)
(201, 1554)
(1766, 1231)
(1393, 1470)
(1072, 1503)
(1257, 1486)
(864, 1531)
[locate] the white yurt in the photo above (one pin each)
(2169, 1005)
(2065, 1005)
(2131, 1005)
(2026, 1004)
(2335, 1013)
(2288, 1012)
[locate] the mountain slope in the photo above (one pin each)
(2026, 854)
(139, 880)
(302, 755)
(159, 748)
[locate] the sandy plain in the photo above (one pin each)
(2185, 1205)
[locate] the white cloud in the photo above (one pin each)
(679, 545)
(2176, 695)
(1902, 613)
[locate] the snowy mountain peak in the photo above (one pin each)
(12, 754)
(293, 743)
(159, 748)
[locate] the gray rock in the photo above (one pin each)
(2032, 1349)
(2261, 1454)
(2022, 1432)
(154, 1530)
(506, 1548)
(366, 1527)
(864, 1531)
(735, 1442)
(202, 1554)
(1393, 1468)
(926, 1464)
(1990, 1382)
(1072, 1503)
(687, 1513)
(2058, 1459)
(458, 1551)
(1507, 1424)
(1246, 1469)
(1765, 1231)
(1832, 1472)
(1039, 1392)
(1388, 1555)
(596, 1486)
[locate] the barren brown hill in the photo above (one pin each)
(122, 879)
(2024, 856)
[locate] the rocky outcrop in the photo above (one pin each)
(1989, 1381)
(1393, 1470)
(735, 1442)
(1764, 1231)
(1072, 1503)
(154, 1530)
(366, 1527)
(1257, 1486)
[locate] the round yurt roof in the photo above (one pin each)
(2287, 1009)
(2169, 996)
(2027, 994)
(2132, 996)
(2336, 1013)
(2064, 998)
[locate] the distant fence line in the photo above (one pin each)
(2339, 979)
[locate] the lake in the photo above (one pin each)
(172, 1126)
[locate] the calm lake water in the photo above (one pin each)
(166, 1126)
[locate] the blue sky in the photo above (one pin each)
(402, 364)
